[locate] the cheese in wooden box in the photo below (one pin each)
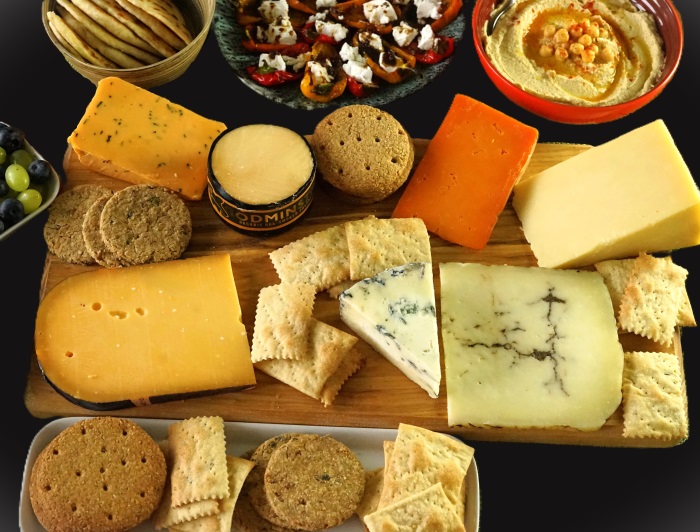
(134, 135)
(118, 337)
(630, 195)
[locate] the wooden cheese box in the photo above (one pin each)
(379, 395)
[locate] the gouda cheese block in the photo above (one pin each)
(141, 333)
(132, 134)
(465, 178)
(630, 195)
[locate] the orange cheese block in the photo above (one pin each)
(118, 337)
(132, 134)
(463, 181)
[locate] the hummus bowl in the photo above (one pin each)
(609, 85)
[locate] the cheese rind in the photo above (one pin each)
(141, 332)
(630, 195)
(132, 134)
(395, 313)
(528, 347)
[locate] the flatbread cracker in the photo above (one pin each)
(326, 348)
(421, 458)
(282, 322)
(198, 450)
(169, 14)
(84, 50)
(652, 299)
(160, 29)
(376, 244)
(427, 509)
(653, 403)
(68, 46)
(320, 259)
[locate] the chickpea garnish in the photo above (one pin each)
(587, 56)
(546, 50)
(561, 36)
(549, 30)
(585, 40)
(561, 53)
(576, 48)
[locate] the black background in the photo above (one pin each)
(530, 486)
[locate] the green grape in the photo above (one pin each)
(31, 200)
(22, 158)
(17, 177)
(3, 155)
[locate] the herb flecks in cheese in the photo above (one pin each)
(528, 347)
(395, 313)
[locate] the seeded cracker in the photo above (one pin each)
(378, 244)
(653, 403)
(320, 259)
(63, 230)
(428, 509)
(326, 347)
(421, 458)
(198, 450)
(652, 299)
(314, 482)
(282, 322)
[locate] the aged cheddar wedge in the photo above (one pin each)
(632, 194)
(394, 312)
(528, 347)
(120, 337)
(132, 134)
(465, 178)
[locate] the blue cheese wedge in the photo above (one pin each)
(528, 347)
(394, 312)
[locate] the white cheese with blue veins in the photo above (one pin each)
(528, 347)
(394, 312)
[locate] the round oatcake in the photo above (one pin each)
(63, 230)
(146, 223)
(362, 152)
(256, 478)
(314, 483)
(93, 238)
(102, 473)
(247, 519)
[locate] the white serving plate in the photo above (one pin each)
(366, 443)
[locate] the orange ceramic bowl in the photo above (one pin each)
(669, 23)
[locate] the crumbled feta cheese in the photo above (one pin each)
(273, 60)
(281, 32)
(348, 52)
(379, 11)
(319, 72)
(321, 15)
(297, 63)
(427, 38)
(332, 29)
(358, 71)
(371, 39)
(271, 10)
(324, 4)
(426, 9)
(404, 33)
(388, 66)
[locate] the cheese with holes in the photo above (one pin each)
(134, 135)
(466, 176)
(394, 312)
(528, 347)
(630, 195)
(142, 333)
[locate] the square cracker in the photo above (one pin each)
(351, 364)
(326, 348)
(282, 321)
(320, 259)
(198, 454)
(652, 299)
(374, 481)
(376, 244)
(421, 458)
(238, 469)
(653, 403)
(427, 509)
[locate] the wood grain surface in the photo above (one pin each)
(379, 395)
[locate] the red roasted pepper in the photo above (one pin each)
(311, 36)
(268, 77)
(359, 89)
(450, 11)
(445, 48)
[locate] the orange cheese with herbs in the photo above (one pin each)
(465, 178)
(142, 333)
(132, 134)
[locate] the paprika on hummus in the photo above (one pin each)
(580, 52)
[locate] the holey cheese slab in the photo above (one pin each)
(379, 395)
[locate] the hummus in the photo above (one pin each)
(580, 52)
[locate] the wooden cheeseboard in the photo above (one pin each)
(379, 395)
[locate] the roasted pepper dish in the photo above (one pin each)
(355, 47)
